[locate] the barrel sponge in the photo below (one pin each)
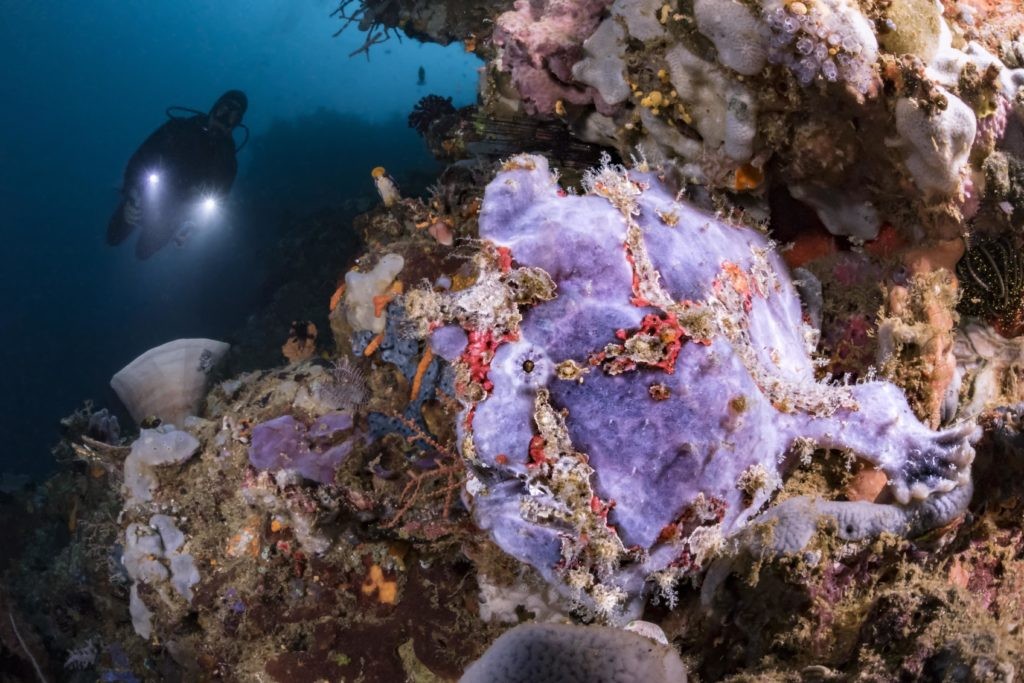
(168, 381)
(723, 109)
(542, 653)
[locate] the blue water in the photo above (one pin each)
(84, 83)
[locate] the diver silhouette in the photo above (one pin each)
(175, 179)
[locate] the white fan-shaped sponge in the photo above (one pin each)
(168, 381)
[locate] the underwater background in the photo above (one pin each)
(535, 340)
(85, 83)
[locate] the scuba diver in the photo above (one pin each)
(175, 179)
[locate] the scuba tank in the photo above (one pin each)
(176, 112)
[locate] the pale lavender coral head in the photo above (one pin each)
(828, 39)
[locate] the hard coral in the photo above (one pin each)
(578, 469)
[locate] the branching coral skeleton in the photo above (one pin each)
(450, 474)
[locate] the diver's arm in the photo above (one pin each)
(147, 155)
(222, 175)
(158, 145)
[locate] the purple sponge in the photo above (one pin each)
(315, 452)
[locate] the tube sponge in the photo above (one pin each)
(723, 109)
(739, 36)
(603, 66)
(539, 653)
(361, 288)
(148, 553)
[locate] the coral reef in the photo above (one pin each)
(549, 398)
(441, 22)
(378, 570)
(743, 96)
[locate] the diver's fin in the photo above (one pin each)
(118, 229)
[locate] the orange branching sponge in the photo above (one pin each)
(375, 582)
(442, 482)
(336, 297)
(381, 301)
(374, 343)
(421, 369)
(73, 515)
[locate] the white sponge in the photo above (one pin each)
(555, 653)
